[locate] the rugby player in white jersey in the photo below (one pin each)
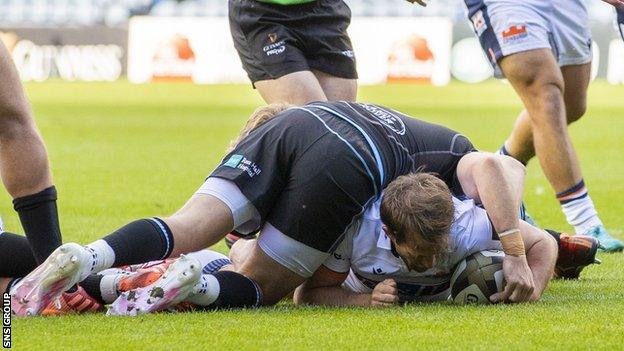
(544, 49)
(367, 268)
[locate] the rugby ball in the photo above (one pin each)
(477, 277)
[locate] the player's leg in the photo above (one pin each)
(537, 79)
(16, 257)
(576, 80)
(272, 51)
(24, 164)
(296, 88)
(331, 53)
(336, 88)
(576, 204)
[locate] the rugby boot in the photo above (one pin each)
(575, 253)
(66, 266)
(171, 288)
(607, 242)
(78, 301)
(143, 275)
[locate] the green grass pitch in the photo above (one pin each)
(121, 152)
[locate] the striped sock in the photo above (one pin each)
(578, 208)
(503, 151)
(211, 261)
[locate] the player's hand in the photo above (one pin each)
(385, 294)
(617, 3)
(424, 4)
(519, 278)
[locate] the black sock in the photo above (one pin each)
(554, 234)
(141, 241)
(39, 218)
(16, 257)
(92, 286)
(236, 291)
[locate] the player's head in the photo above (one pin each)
(260, 116)
(417, 212)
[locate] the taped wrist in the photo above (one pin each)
(512, 243)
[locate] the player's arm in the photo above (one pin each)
(541, 253)
(498, 182)
(324, 289)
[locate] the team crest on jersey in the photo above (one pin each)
(478, 22)
(514, 33)
(388, 119)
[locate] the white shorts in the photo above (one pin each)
(506, 27)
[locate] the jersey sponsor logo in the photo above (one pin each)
(275, 48)
(378, 271)
(233, 161)
(478, 22)
(242, 163)
(386, 118)
(514, 33)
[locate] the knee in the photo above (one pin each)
(575, 110)
(547, 98)
(15, 120)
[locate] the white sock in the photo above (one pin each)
(581, 214)
(108, 287)
(102, 256)
(206, 291)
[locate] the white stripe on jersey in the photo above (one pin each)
(366, 251)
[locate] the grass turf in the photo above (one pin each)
(121, 152)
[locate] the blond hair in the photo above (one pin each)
(260, 116)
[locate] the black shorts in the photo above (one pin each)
(620, 20)
(275, 40)
(302, 178)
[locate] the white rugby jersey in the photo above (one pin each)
(367, 252)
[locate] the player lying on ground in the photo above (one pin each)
(367, 270)
(370, 250)
(543, 47)
(301, 177)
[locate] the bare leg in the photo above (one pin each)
(200, 223)
(298, 88)
(275, 280)
(538, 81)
(23, 158)
(576, 79)
(24, 167)
(335, 88)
